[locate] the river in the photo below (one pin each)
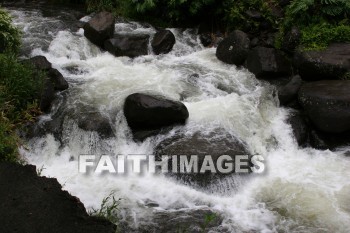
(302, 189)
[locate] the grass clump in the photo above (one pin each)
(108, 210)
(10, 36)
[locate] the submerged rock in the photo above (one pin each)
(128, 45)
(148, 112)
(327, 103)
(163, 42)
(234, 49)
(100, 28)
(214, 144)
(331, 63)
(95, 121)
(35, 204)
(268, 63)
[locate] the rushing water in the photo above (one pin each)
(302, 190)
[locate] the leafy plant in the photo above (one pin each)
(9, 34)
(319, 36)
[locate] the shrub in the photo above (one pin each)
(9, 34)
(20, 89)
(319, 36)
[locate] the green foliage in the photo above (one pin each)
(108, 210)
(20, 88)
(9, 34)
(320, 21)
(237, 17)
(307, 12)
(8, 142)
(319, 36)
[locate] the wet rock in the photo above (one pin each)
(163, 42)
(234, 49)
(57, 79)
(291, 40)
(38, 204)
(328, 141)
(206, 39)
(100, 28)
(327, 103)
(148, 112)
(95, 121)
(289, 92)
(184, 220)
(215, 144)
(267, 63)
(299, 127)
(128, 45)
(53, 83)
(331, 63)
(39, 63)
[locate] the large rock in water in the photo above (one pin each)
(127, 45)
(268, 63)
(327, 103)
(331, 63)
(100, 28)
(234, 49)
(147, 112)
(216, 143)
(54, 81)
(33, 204)
(163, 42)
(289, 92)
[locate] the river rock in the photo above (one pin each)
(163, 42)
(100, 28)
(289, 92)
(127, 45)
(33, 204)
(39, 63)
(234, 49)
(327, 103)
(57, 80)
(148, 112)
(95, 121)
(299, 127)
(215, 144)
(331, 63)
(291, 40)
(267, 63)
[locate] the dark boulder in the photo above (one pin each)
(291, 40)
(100, 28)
(331, 63)
(148, 112)
(206, 39)
(289, 92)
(267, 63)
(54, 81)
(234, 49)
(327, 141)
(299, 127)
(128, 45)
(57, 79)
(214, 144)
(163, 42)
(95, 121)
(327, 103)
(35, 204)
(39, 63)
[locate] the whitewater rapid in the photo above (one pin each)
(302, 190)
